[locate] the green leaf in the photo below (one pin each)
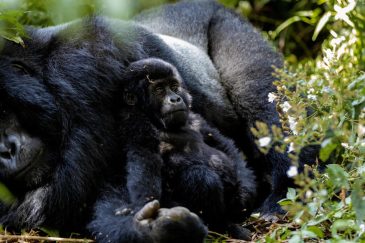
(328, 146)
(295, 239)
(309, 234)
(317, 220)
(342, 225)
(291, 194)
(286, 24)
(316, 230)
(285, 202)
(357, 83)
(358, 198)
(338, 177)
(321, 23)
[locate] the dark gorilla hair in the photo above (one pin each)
(61, 95)
(62, 148)
(202, 170)
(51, 91)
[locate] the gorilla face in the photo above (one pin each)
(19, 151)
(167, 101)
(155, 86)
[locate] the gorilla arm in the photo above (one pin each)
(143, 161)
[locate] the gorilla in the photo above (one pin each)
(62, 149)
(200, 166)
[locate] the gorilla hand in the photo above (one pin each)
(175, 224)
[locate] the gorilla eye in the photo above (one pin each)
(20, 68)
(159, 90)
(175, 87)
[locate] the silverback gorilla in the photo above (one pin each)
(201, 170)
(61, 149)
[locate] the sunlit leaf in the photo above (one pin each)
(321, 23)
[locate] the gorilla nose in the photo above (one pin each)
(9, 146)
(175, 100)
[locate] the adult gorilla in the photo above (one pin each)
(59, 143)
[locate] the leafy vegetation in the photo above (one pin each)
(322, 102)
(320, 97)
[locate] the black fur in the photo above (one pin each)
(67, 97)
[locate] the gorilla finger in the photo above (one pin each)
(148, 211)
(176, 213)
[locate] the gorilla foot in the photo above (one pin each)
(175, 224)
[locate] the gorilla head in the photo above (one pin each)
(28, 120)
(155, 87)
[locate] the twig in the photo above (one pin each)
(43, 238)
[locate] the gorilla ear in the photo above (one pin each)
(130, 98)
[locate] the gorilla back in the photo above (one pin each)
(60, 94)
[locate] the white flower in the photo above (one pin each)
(271, 97)
(291, 147)
(285, 106)
(345, 145)
(341, 13)
(308, 194)
(293, 171)
(337, 41)
(310, 91)
(293, 125)
(264, 141)
(312, 97)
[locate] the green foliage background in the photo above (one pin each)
(321, 101)
(320, 97)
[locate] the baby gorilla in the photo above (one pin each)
(202, 170)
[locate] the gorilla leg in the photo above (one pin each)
(201, 190)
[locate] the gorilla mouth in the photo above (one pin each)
(174, 112)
